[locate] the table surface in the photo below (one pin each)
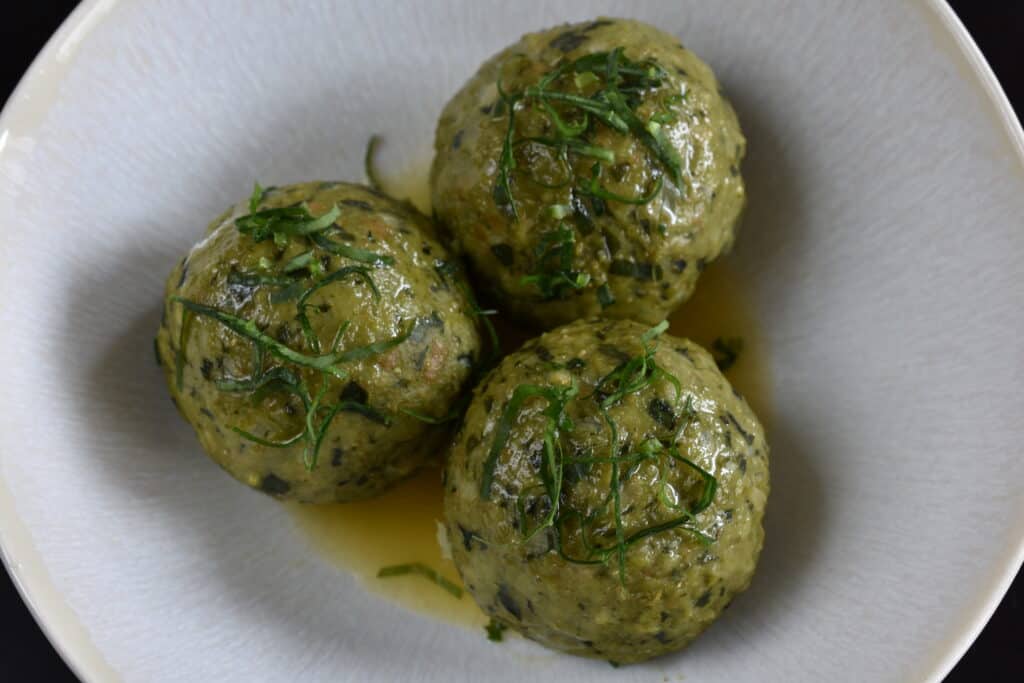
(998, 28)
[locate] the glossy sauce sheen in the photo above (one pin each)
(401, 526)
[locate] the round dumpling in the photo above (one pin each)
(605, 493)
(313, 338)
(590, 169)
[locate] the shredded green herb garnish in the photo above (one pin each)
(301, 277)
(594, 189)
(250, 330)
(560, 463)
(420, 569)
(364, 352)
(180, 357)
(553, 272)
(495, 630)
(423, 417)
(303, 260)
(556, 421)
(726, 351)
(258, 279)
(255, 198)
(507, 161)
(269, 443)
(360, 272)
(577, 97)
(354, 253)
(369, 166)
(285, 222)
(318, 415)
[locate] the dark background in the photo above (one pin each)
(998, 28)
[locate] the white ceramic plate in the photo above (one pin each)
(884, 235)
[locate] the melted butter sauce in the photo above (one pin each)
(401, 526)
(719, 308)
(397, 527)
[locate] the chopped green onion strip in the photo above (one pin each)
(354, 253)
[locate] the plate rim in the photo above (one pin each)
(982, 71)
(19, 556)
(49, 607)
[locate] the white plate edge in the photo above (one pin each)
(49, 608)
